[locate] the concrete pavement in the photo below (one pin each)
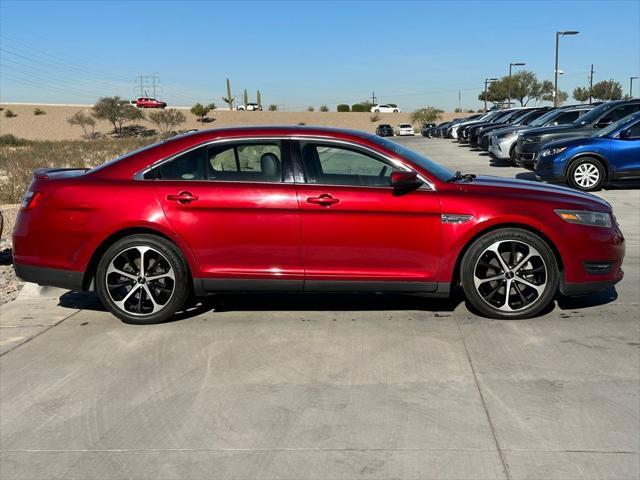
(328, 386)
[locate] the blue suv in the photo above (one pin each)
(612, 153)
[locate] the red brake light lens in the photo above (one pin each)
(30, 200)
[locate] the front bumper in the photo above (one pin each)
(500, 147)
(526, 154)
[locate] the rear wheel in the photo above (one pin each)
(586, 174)
(143, 279)
(509, 274)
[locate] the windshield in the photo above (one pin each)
(437, 170)
(614, 126)
(547, 117)
(593, 114)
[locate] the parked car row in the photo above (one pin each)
(386, 130)
(584, 146)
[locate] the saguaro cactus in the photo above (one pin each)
(245, 98)
(259, 100)
(229, 98)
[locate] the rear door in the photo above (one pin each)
(358, 232)
(234, 203)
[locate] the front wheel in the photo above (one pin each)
(143, 279)
(586, 174)
(509, 273)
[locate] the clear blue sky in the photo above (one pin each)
(301, 53)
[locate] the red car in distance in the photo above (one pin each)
(146, 102)
(307, 209)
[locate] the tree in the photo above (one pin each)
(229, 98)
(581, 94)
(200, 111)
(84, 121)
(117, 111)
(310, 108)
(324, 108)
(167, 120)
(607, 90)
(525, 87)
(425, 115)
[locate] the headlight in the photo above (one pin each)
(533, 140)
(553, 151)
(585, 217)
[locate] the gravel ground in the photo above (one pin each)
(10, 285)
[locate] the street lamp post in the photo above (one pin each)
(486, 82)
(555, 72)
(512, 65)
(631, 79)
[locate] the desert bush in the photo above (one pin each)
(273, 108)
(358, 107)
(167, 120)
(374, 117)
(343, 107)
(117, 111)
(9, 113)
(9, 140)
(425, 115)
(84, 121)
(310, 108)
(200, 111)
(324, 108)
(39, 111)
(18, 158)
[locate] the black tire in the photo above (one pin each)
(586, 174)
(376, 111)
(512, 155)
(396, 111)
(490, 298)
(161, 259)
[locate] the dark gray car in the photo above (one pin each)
(530, 141)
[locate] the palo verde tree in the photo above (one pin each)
(84, 121)
(167, 120)
(117, 111)
(425, 115)
(201, 111)
(607, 90)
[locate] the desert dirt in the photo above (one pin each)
(53, 125)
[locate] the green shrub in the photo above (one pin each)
(273, 108)
(374, 117)
(358, 107)
(310, 108)
(39, 111)
(200, 111)
(343, 108)
(324, 108)
(167, 119)
(9, 140)
(9, 113)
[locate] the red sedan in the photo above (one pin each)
(307, 209)
(146, 102)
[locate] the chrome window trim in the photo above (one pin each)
(139, 176)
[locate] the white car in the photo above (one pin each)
(384, 109)
(251, 107)
(405, 129)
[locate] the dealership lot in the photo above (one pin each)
(329, 386)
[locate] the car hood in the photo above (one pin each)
(504, 130)
(573, 142)
(564, 196)
(536, 132)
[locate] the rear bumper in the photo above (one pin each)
(54, 277)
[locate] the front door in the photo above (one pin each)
(358, 232)
(625, 153)
(230, 203)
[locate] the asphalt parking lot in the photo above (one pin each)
(326, 386)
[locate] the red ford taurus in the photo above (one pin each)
(307, 209)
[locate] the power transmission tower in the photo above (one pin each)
(144, 82)
(373, 98)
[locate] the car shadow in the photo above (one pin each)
(255, 302)
(494, 162)
(527, 176)
(585, 301)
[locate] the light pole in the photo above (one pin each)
(512, 65)
(631, 79)
(487, 81)
(555, 72)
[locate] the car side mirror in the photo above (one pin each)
(404, 180)
(603, 123)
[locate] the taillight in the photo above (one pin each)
(30, 200)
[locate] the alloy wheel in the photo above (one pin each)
(140, 280)
(510, 275)
(586, 175)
